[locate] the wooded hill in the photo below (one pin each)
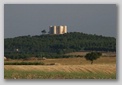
(52, 46)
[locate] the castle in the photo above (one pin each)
(57, 29)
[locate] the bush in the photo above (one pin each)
(92, 56)
(23, 63)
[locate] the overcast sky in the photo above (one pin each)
(31, 19)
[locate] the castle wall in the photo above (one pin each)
(58, 29)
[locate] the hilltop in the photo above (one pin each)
(54, 46)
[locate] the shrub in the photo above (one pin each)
(23, 63)
(92, 56)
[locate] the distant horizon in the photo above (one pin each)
(31, 19)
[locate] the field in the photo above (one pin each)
(64, 68)
(61, 72)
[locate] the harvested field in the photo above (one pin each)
(81, 61)
(63, 68)
(66, 68)
(97, 71)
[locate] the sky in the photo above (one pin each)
(31, 19)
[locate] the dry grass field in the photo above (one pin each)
(64, 68)
(97, 71)
(81, 61)
(83, 53)
(106, 68)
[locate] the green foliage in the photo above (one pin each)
(23, 63)
(43, 31)
(92, 56)
(54, 46)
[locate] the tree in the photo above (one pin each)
(57, 44)
(92, 56)
(43, 31)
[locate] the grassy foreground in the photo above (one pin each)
(56, 75)
(63, 68)
(96, 71)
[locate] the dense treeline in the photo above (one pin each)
(52, 46)
(24, 63)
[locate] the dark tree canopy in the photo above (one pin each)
(54, 46)
(43, 31)
(92, 56)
